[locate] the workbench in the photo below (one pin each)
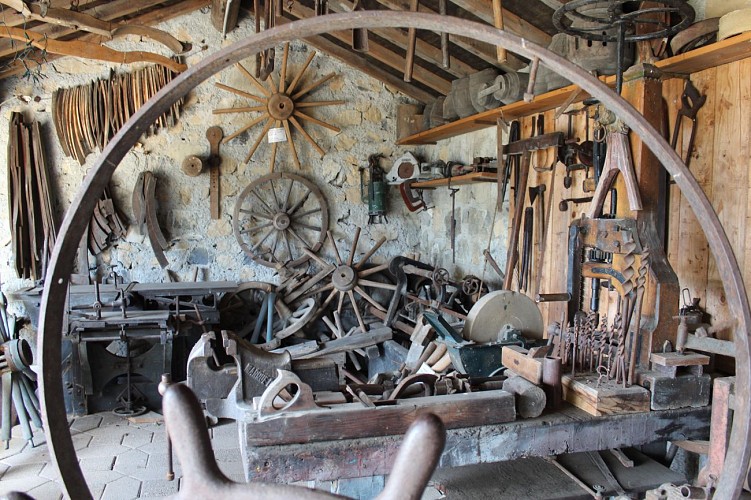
(566, 431)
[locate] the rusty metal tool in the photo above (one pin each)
(563, 204)
(414, 202)
(529, 221)
(505, 175)
(692, 101)
(538, 193)
(523, 148)
(452, 230)
(214, 135)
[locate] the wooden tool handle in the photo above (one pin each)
(498, 23)
(214, 135)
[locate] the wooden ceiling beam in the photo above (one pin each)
(356, 61)
(511, 22)
(423, 49)
(484, 51)
(108, 12)
(147, 19)
(383, 55)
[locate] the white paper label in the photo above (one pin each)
(277, 135)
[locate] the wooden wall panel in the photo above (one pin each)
(721, 163)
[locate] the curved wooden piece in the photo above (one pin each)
(88, 50)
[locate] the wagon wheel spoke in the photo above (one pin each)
(255, 214)
(357, 311)
(370, 299)
(255, 229)
(354, 246)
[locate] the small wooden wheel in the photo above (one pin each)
(279, 215)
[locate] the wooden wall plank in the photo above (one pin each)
(744, 156)
(693, 254)
(730, 185)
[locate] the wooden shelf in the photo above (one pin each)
(459, 180)
(716, 54)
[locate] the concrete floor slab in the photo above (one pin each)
(125, 488)
(47, 491)
(158, 488)
(131, 462)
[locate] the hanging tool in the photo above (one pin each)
(267, 56)
(692, 101)
(563, 204)
(537, 193)
(414, 202)
(523, 148)
(144, 212)
(214, 135)
(526, 248)
(376, 196)
(453, 221)
(617, 159)
(505, 175)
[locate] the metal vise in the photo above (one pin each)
(226, 378)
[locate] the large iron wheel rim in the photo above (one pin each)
(52, 311)
(598, 33)
(284, 231)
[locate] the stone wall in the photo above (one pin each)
(367, 123)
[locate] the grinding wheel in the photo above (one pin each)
(497, 309)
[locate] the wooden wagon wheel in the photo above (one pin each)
(279, 215)
(349, 278)
(245, 310)
(279, 105)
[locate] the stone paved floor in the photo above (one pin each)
(120, 459)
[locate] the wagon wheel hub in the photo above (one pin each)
(344, 278)
(281, 221)
(281, 106)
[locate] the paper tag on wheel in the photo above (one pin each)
(277, 135)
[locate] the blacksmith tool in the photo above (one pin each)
(692, 101)
(504, 175)
(453, 221)
(538, 193)
(563, 204)
(526, 248)
(523, 148)
(214, 135)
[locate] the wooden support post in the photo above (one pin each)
(661, 297)
(498, 23)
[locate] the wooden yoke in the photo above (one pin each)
(643, 90)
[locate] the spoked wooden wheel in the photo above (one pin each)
(280, 105)
(246, 311)
(352, 279)
(279, 215)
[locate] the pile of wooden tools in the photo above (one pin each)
(106, 225)
(32, 225)
(88, 116)
(16, 357)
